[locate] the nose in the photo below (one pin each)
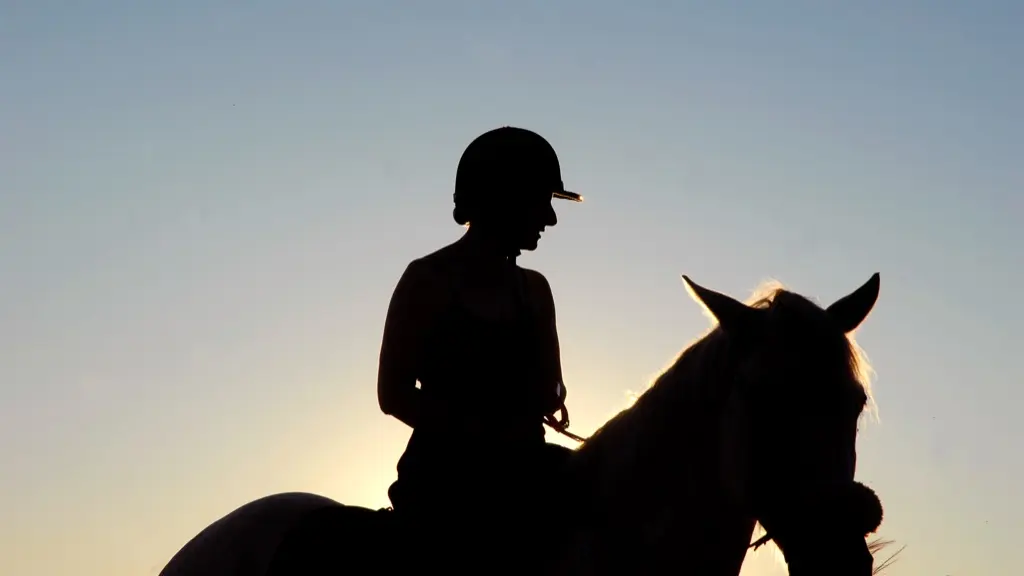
(550, 218)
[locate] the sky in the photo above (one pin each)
(204, 207)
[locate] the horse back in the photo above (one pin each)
(244, 542)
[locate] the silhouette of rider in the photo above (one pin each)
(470, 359)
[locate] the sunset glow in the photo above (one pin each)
(205, 208)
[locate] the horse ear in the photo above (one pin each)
(730, 313)
(849, 311)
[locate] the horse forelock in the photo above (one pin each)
(772, 295)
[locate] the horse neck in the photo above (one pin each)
(657, 494)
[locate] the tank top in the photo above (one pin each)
(484, 395)
(489, 367)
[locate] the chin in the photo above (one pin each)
(528, 246)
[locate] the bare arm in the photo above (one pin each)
(545, 301)
(409, 313)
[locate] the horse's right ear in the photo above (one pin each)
(849, 311)
(731, 314)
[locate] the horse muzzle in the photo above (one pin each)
(827, 535)
(830, 557)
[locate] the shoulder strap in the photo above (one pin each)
(523, 289)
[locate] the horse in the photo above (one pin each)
(755, 423)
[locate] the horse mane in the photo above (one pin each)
(679, 384)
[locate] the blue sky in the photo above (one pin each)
(205, 206)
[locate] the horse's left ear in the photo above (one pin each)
(849, 311)
(732, 315)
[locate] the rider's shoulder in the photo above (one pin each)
(433, 266)
(423, 275)
(539, 287)
(536, 279)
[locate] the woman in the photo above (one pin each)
(477, 333)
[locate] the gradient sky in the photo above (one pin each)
(204, 207)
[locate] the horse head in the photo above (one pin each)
(796, 395)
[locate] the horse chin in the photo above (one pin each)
(835, 557)
(828, 535)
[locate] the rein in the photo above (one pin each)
(561, 423)
(761, 541)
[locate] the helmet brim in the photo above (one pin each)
(567, 195)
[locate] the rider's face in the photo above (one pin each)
(521, 213)
(532, 214)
